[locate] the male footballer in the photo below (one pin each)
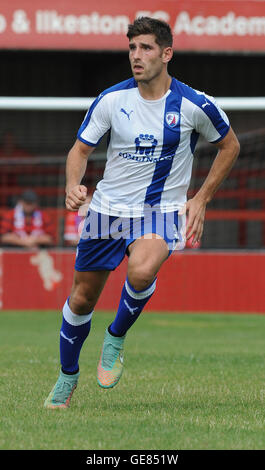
(139, 207)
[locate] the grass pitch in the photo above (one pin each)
(191, 381)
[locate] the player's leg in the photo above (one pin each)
(76, 322)
(146, 255)
(77, 315)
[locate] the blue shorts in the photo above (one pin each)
(105, 239)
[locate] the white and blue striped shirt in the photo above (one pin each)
(151, 145)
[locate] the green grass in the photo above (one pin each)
(191, 381)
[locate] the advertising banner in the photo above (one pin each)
(231, 282)
(197, 25)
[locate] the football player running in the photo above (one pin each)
(139, 207)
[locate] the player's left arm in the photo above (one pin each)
(228, 151)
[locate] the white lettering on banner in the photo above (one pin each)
(2, 24)
(159, 15)
(50, 22)
(20, 23)
(53, 23)
(227, 25)
(198, 25)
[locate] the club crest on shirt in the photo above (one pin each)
(172, 118)
(145, 144)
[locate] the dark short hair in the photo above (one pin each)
(29, 196)
(146, 25)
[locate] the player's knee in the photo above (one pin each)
(80, 302)
(140, 277)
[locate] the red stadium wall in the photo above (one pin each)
(188, 281)
(197, 25)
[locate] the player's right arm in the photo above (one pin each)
(95, 124)
(76, 164)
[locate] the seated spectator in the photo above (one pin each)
(26, 225)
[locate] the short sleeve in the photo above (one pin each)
(210, 120)
(96, 122)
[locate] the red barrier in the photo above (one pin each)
(205, 25)
(189, 281)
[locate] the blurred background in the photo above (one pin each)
(56, 56)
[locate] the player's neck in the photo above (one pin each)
(156, 88)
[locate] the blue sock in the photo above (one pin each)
(131, 305)
(74, 331)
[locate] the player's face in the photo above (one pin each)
(147, 58)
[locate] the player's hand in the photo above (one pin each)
(195, 211)
(75, 197)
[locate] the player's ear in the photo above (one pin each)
(167, 54)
